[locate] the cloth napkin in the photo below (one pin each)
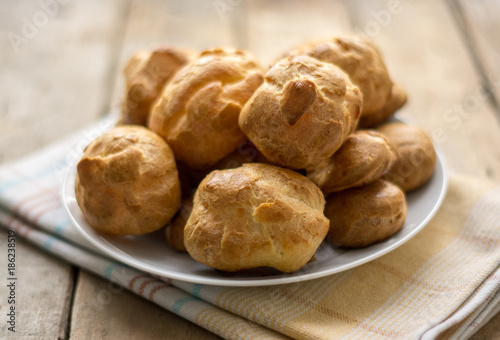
(443, 283)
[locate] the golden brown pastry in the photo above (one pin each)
(416, 155)
(365, 215)
(146, 73)
(360, 59)
(364, 157)
(127, 182)
(255, 215)
(302, 113)
(197, 113)
(175, 229)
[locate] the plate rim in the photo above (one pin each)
(258, 281)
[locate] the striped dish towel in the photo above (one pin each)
(443, 283)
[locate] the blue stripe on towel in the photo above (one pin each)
(61, 226)
(176, 308)
(197, 289)
(41, 173)
(109, 269)
(48, 243)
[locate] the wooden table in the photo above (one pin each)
(61, 68)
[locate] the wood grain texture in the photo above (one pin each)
(479, 23)
(55, 69)
(273, 27)
(425, 54)
(105, 311)
(42, 305)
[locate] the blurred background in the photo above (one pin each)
(61, 61)
(61, 68)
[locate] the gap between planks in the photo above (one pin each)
(106, 106)
(464, 26)
(68, 308)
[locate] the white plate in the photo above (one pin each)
(151, 254)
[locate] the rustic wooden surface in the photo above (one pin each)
(446, 54)
(104, 311)
(479, 21)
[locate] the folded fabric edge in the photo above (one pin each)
(478, 303)
(163, 293)
(474, 324)
(454, 323)
(9, 219)
(487, 302)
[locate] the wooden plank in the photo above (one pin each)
(55, 64)
(194, 24)
(43, 293)
(273, 27)
(479, 22)
(426, 56)
(105, 311)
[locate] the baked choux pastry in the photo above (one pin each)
(364, 157)
(253, 216)
(197, 113)
(416, 155)
(360, 59)
(146, 73)
(365, 215)
(175, 228)
(302, 113)
(127, 182)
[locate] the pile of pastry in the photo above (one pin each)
(246, 168)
